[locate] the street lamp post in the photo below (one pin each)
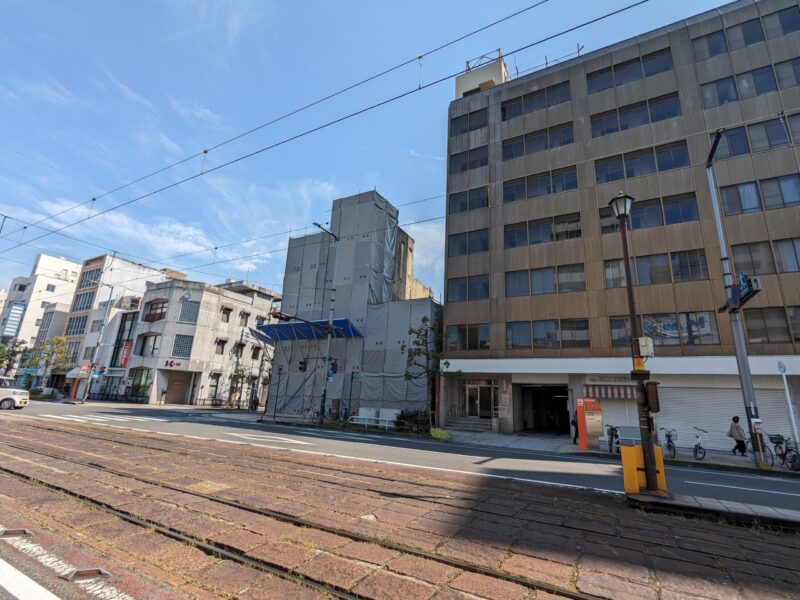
(325, 364)
(621, 205)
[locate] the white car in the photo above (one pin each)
(11, 396)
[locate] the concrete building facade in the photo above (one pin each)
(370, 268)
(191, 344)
(536, 312)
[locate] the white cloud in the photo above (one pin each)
(128, 93)
(193, 111)
(49, 91)
(7, 93)
(150, 139)
(416, 154)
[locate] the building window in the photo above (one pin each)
(238, 350)
(478, 241)
(475, 287)
(219, 347)
(478, 337)
(260, 320)
(473, 242)
(545, 334)
(766, 325)
(567, 227)
(225, 314)
(766, 135)
(89, 278)
(511, 108)
(517, 283)
(478, 157)
(672, 156)
(72, 351)
(608, 222)
(190, 309)
(781, 191)
(255, 353)
(745, 34)
(794, 321)
(628, 71)
(741, 198)
(83, 301)
(633, 116)
(518, 335)
(574, 333)
(457, 244)
(514, 190)
(609, 169)
(753, 259)
(560, 135)
(621, 331)
(757, 82)
(97, 326)
(652, 269)
(149, 345)
(141, 381)
(732, 142)
(469, 122)
(782, 22)
(794, 127)
(538, 185)
(615, 273)
(515, 235)
(663, 328)
(50, 287)
(639, 163)
(513, 148)
(558, 94)
(470, 200)
(456, 337)
(600, 80)
(88, 353)
(156, 310)
(786, 255)
(533, 101)
(788, 73)
(571, 278)
(698, 328)
(689, 265)
(646, 214)
(478, 287)
(76, 325)
(664, 107)
(605, 123)
(182, 346)
(457, 289)
(709, 45)
(565, 179)
(719, 92)
(20, 287)
(244, 319)
(540, 231)
(543, 281)
(657, 62)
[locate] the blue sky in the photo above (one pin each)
(95, 94)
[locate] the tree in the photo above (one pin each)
(424, 358)
(10, 353)
(50, 354)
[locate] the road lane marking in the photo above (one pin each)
(259, 437)
(20, 585)
(738, 487)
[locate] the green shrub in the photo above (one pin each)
(415, 421)
(439, 434)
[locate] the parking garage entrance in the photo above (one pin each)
(545, 409)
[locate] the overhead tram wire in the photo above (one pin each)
(330, 123)
(296, 111)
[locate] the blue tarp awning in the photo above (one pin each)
(302, 330)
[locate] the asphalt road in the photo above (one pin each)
(528, 465)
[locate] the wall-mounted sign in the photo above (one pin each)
(126, 353)
(172, 363)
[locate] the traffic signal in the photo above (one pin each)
(334, 365)
(302, 366)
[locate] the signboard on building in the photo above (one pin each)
(125, 354)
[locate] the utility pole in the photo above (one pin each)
(733, 300)
(324, 397)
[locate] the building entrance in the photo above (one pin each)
(545, 409)
(177, 387)
(479, 401)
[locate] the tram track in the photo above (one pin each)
(230, 553)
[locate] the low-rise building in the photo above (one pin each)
(192, 344)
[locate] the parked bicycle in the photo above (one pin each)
(698, 451)
(612, 437)
(787, 453)
(670, 435)
(768, 456)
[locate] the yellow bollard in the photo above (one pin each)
(633, 477)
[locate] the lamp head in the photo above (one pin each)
(621, 205)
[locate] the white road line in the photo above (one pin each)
(738, 487)
(263, 437)
(66, 418)
(20, 585)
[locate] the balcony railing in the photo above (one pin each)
(154, 317)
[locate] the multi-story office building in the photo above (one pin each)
(102, 283)
(377, 298)
(192, 344)
(52, 279)
(536, 310)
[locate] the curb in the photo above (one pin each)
(746, 519)
(671, 462)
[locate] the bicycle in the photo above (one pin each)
(612, 436)
(698, 450)
(769, 457)
(671, 435)
(785, 451)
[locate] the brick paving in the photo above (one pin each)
(571, 539)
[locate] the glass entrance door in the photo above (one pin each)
(472, 408)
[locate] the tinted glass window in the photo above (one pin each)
(457, 289)
(719, 92)
(534, 101)
(680, 209)
(513, 148)
(732, 142)
(609, 169)
(615, 273)
(543, 281)
(565, 179)
(689, 265)
(657, 62)
(560, 136)
(755, 83)
(745, 34)
(633, 116)
(753, 259)
(571, 278)
(600, 80)
(740, 198)
(516, 235)
(511, 108)
(538, 185)
(477, 119)
(478, 287)
(786, 255)
(567, 227)
(459, 162)
(605, 123)
(652, 269)
(663, 328)
(459, 125)
(574, 333)
(770, 134)
(545, 334)
(517, 284)
(640, 163)
(766, 325)
(698, 328)
(665, 107)
(457, 244)
(558, 94)
(478, 198)
(627, 71)
(540, 232)
(513, 190)
(478, 241)
(608, 222)
(782, 22)
(709, 45)
(479, 157)
(518, 334)
(673, 156)
(781, 191)
(646, 214)
(457, 203)
(788, 73)
(536, 142)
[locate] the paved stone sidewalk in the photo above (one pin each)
(572, 539)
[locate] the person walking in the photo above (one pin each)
(736, 432)
(574, 423)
